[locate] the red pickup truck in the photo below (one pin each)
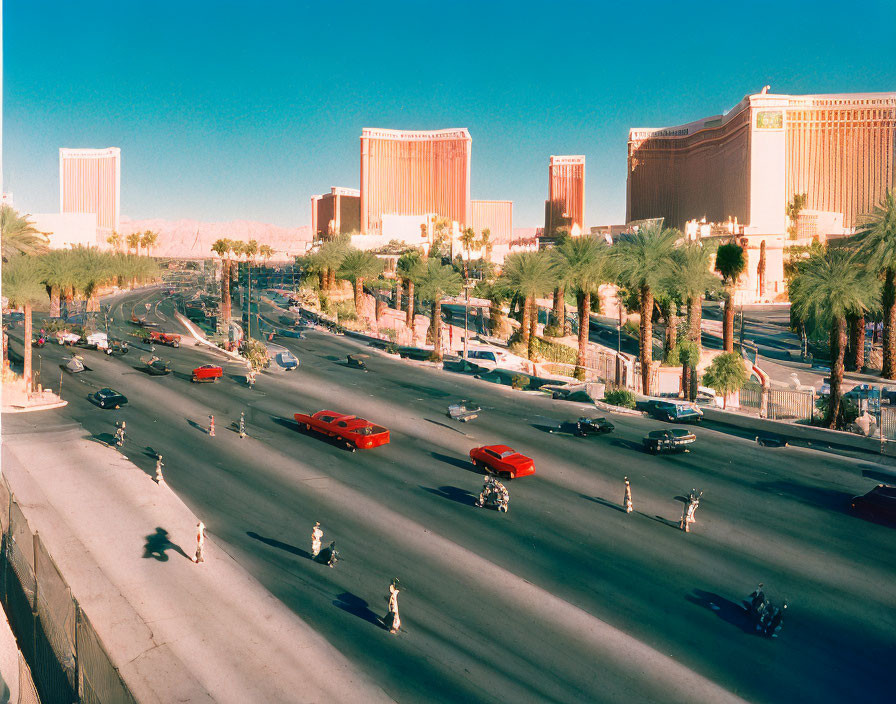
(162, 338)
(356, 432)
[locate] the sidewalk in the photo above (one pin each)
(177, 631)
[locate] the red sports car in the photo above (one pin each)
(207, 372)
(503, 461)
(356, 432)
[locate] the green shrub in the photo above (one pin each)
(620, 397)
(390, 333)
(553, 330)
(346, 311)
(519, 382)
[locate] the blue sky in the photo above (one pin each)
(242, 110)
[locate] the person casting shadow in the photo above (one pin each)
(158, 543)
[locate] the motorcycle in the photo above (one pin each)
(329, 555)
(41, 340)
(764, 616)
(494, 496)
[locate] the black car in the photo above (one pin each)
(879, 504)
(584, 427)
(108, 398)
(668, 440)
(674, 412)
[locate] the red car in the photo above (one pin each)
(207, 372)
(503, 461)
(356, 432)
(162, 338)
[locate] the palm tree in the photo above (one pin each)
(356, 266)
(58, 272)
(468, 242)
(148, 240)
(22, 285)
(586, 264)
(133, 241)
(223, 248)
(329, 257)
(18, 234)
(409, 269)
(115, 239)
(250, 249)
(530, 275)
(641, 260)
(831, 286)
(497, 295)
(485, 241)
(876, 239)
(440, 237)
(730, 263)
(725, 375)
(691, 277)
(266, 252)
(436, 281)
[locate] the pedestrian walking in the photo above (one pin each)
(250, 378)
(391, 620)
(627, 501)
(159, 478)
(119, 432)
(200, 542)
(242, 424)
(690, 509)
(211, 426)
(316, 535)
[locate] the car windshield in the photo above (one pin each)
(371, 430)
(887, 491)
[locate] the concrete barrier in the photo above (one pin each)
(793, 432)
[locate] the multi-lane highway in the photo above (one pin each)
(563, 599)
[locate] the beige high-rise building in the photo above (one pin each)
(748, 163)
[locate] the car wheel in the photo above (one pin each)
(474, 462)
(117, 406)
(307, 426)
(175, 344)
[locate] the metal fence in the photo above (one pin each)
(67, 658)
(781, 404)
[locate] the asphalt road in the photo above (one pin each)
(563, 599)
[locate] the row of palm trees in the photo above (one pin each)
(134, 241)
(229, 250)
(838, 285)
(76, 274)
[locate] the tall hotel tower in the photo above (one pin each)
(565, 206)
(748, 163)
(90, 182)
(414, 173)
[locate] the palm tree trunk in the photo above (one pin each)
(524, 327)
(225, 293)
(26, 373)
(559, 309)
(55, 302)
(838, 349)
(584, 304)
(409, 320)
(695, 317)
(686, 381)
(670, 335)
(646, 341)
(322, 279)
(889, 303)
(356, 290)
(533, 330)
(331, 284)
(379, 307)
(859, 340)
(436, 327)
(396, 298)
(728, 323)
(849, 360)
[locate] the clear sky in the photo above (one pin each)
(242, 110)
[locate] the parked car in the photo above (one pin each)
(503, 461)
(674, 412)
(879, 504)
(356, 432)
(108, 398)
(670, 440)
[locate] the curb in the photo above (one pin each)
(617, 409)
(196, 335)
(35, 407)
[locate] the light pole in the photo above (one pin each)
(467, 286)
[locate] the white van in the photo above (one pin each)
(493, 358)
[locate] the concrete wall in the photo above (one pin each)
(70, 229)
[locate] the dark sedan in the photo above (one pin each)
(675, 439)
(108, 398)
(879, 504)
(674, 412)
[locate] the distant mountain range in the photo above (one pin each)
(192, 238)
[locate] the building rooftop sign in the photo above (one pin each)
(416, 135)
(567, 160)
(89, 153)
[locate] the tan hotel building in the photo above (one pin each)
(747, 164)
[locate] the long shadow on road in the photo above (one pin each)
(158, 544)
(356, 606)
(456, 461)
(453, 493)
(274, 543)
(725, 609)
